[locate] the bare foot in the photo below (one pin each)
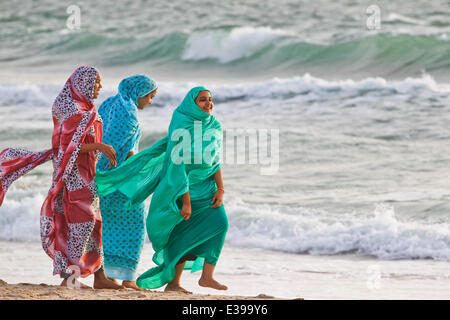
(74, 285)
(114, 280)
(133, 285)
(105, 283)
(211, 283)
(176, 288)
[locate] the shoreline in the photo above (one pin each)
(249, 273)
(42, 291)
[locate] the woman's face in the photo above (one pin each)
(97, 86)
(204, 101)
(146, 100)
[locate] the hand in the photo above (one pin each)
(109, 152)
(186, 211)
(218, 199)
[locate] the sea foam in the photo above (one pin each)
(299, 230)
(229, 46)
(379, 233)
(171, 93)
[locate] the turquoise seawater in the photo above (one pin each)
(253, 39)
(361, 113)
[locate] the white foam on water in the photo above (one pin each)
(171, 94)
(299, 230)
(395, 17)
(26, 94)
(276, 227)
(35, 95)
(229, 46)
(309, 83)
(19, 218)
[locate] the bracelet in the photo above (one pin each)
(223, 190)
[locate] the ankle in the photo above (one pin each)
(174, 284)
(99, 276)
(206, 278)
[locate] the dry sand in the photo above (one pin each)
(28, 291)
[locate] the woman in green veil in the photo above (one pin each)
(187, 222)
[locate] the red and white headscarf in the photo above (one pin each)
(75, 98)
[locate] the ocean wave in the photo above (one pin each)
(395, 17)
(226, 46)
(170, 94)
(298, 230)
(27, 94)
(272, 48)
(301, 85)
(19, 218)
(251, 49)
(288, 229)
(33, 95)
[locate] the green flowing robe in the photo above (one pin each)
(184, 161)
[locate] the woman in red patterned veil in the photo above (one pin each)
(71, 223)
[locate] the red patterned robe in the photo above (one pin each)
(71, 223)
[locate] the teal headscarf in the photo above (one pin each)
(189, 108)
(193, 134)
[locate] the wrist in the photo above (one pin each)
(221, 189)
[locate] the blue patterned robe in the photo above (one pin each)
(123, 230)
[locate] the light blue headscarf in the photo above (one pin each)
(120, 123)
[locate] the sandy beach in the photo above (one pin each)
(42, 291)
(21, 279)
(249, 273)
